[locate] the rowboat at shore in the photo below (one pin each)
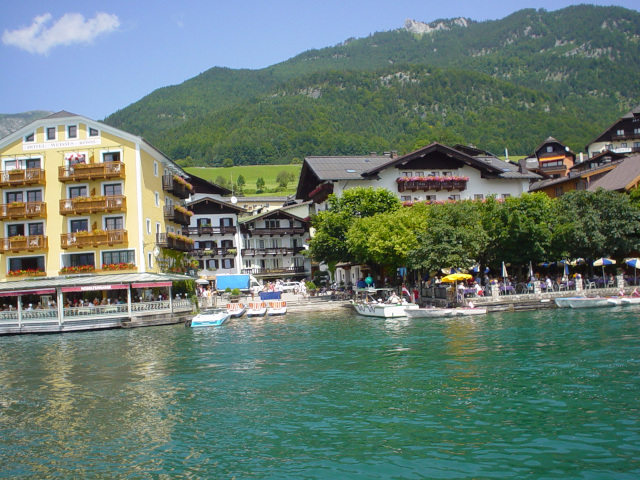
(588, 302)
(209, 318)
(445, 312)
(236, 310)
(276, 308)
(257, 309)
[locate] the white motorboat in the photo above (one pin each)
(587, 302)
(209, 318)
(276, 307)
(257, 309)
(236, 310)
(445, 312)
(630, 300)
(381, 303)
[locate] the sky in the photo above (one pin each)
(93, 58)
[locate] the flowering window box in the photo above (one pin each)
(26, 273)
(431, 183)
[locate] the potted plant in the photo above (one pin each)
(311, 288)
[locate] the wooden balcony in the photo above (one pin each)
(177, 186)
(16, 210)
(91, 171)
(426, 185)
(284, 251)
(83, 205)
(21, 244)
(274, 271)
(176, 214)
(271, 232)
(321, 192)
(212, 252)
(230, 230)
(94, 238)
(22, 176)
(174, 242)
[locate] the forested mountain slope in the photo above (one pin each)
(508, 83)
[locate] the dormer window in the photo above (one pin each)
(51, 133)
(549, 149)
(93, 132)
(72, 131)
(30, 138)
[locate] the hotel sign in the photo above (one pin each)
(66, 144)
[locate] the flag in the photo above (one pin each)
(405, 291)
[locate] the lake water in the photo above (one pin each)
(546, 394)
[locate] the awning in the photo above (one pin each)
(93, 288)
(151, 285)
(42, 291)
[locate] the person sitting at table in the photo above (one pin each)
(479, 290)
(549, 283)
(30, 307)
(96, 302)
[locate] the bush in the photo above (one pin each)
(311, 286)
(235, 292)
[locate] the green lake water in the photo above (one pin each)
(549, 394)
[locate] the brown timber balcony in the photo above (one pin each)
(321, 192)
(212, 252)
(277, 231)
(22, 176)
(174, 241)
(274, 271)
(436, 183)
(91, 171)
(15, 210)
(93, 238)
(177, 214)
(253, 252)
(210, 230)
(177, 185)
(21, 244)
(107, 203)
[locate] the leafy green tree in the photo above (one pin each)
(227, 163)
(454, 237)
(220, 180)
(329, 242)
(596, 224)
(240, 182)
(260, 185)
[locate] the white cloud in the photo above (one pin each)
(69, 29)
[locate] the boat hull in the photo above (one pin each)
(236, 310)
(445, 312)
(277, 308)
(382, 310)
(586, 302)
(209, 319)
(257, 309)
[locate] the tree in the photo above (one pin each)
(220, 180)
(329, 242)
(260, 185)
(240, 182)
(283, 178)
(227, 163)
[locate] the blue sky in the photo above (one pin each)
(95, 57)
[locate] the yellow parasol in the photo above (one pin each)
(456, 277)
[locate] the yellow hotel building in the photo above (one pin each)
(79, 196)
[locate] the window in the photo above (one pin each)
(227, 263)
(620, 132)
(419, 174)
(93, 132)
(112, 188)
(455, 198)
(430, 198)
(226, 222)
(478, 196)
(34, 195)
(114, 223)
(226, 244)
(636, 144)
(405, 198)
(623, 144)
(155, 168)
(31, 163)
(14, 230)
(212, 264)
(119, 256)
(51, 133)
(111, 157)
(157, 199)
(77, 192)
(505, 195)
(636, 131)
(203, 222)
(559, 191)
(36, 228)
(30, 137)
(75, 158)
(158, 227)
(72, 131)
(26, 263)
(78, 259)
(14, 197)
(149, 226)
(406, 174)
(150, 260)
(549, 149)
(81, 225)
(272, 223)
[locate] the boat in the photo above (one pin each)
(587, 302)
(257, 309)
(209, 318)
(435, 312)
(630, 300)
(276, 308)
(370, 302)
(236, 310)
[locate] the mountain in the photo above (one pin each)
(507, 83)
(9, 123)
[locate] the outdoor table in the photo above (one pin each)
(507, 289)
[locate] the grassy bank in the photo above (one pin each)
(251, 173)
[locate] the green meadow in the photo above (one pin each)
(251, 173)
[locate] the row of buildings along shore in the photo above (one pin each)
(80, 197)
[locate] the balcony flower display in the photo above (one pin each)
(182, 238)
(78, 269)
(183, 210)
(29, 272)
(453, 182)
(182, 181)
(452, 178)
(118, 266)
